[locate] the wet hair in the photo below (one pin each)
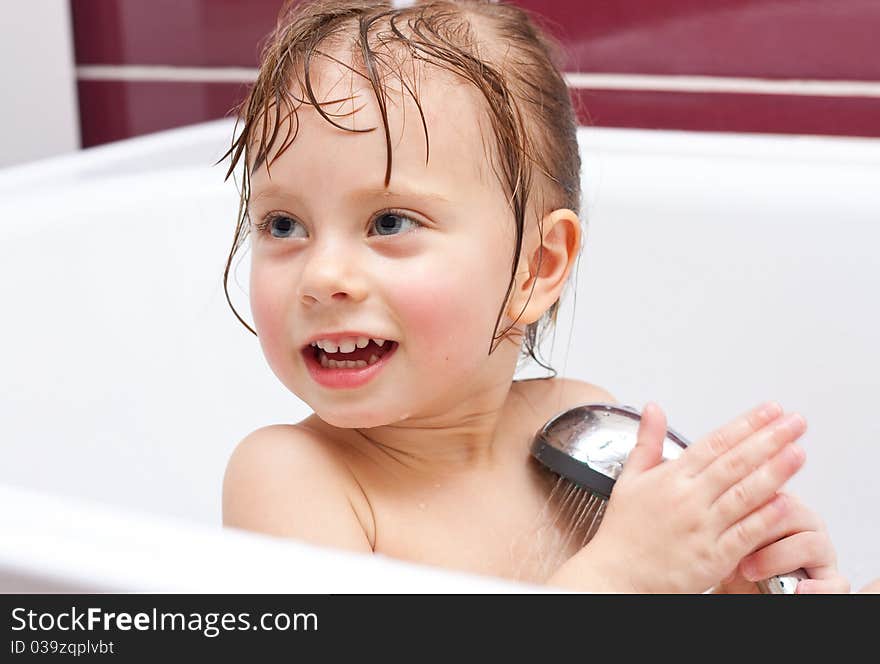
(498, 48)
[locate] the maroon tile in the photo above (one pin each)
(780, 39)
(113, 110)
(754, 38)
(801, 39)
(192, 33)
(782, 114)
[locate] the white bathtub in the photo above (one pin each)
(718, 271)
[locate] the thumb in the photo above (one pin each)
(649, 446)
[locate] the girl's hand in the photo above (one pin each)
(683, 525)
(798, 540)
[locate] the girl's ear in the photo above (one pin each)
(546, 261)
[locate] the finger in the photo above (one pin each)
(808, 550)
(837, 585)
(743, 459)
(873, 588)
(704, 452)
(648, 450)
(743, 537)
(797, 518)
(752, 492)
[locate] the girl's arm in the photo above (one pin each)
(282, 481)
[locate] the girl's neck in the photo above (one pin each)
(473, 436)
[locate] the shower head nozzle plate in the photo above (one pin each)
(588, 444)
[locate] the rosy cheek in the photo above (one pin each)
(267, 309)
(423, 314)
(439, 319)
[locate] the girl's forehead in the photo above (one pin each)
(446, 135)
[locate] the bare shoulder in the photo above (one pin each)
(536, 402)
(288, 481)
(557, 394)
(573, 392)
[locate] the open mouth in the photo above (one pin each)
(358, 358)
(339, 370)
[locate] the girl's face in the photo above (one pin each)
(425, 263)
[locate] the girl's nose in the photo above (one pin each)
(332, 276)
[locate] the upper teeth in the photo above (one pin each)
(345, 345)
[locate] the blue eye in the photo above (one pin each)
(281, 227)
(388, 222)
(278, 226)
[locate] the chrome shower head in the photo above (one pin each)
(587, 445)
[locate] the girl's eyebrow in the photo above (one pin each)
(275, 190)
(404, 193)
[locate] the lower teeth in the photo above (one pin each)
(345, 364)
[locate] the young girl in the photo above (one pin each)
(410, 182)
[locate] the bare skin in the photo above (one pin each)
(484, 520)
(429, 461)
(494, 518)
